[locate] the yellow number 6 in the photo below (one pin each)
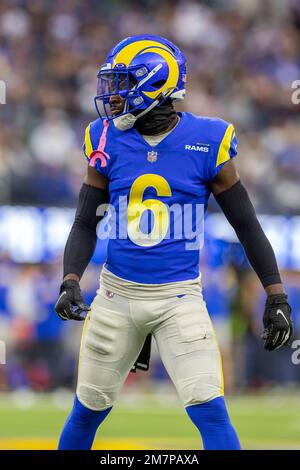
(137, 207)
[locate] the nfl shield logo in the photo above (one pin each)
(152, 156)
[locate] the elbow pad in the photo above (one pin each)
(83, 236)
(89, 200)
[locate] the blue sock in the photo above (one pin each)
(80, 428)
(213, 422)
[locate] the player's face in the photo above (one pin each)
(116, 104)
(115, 87)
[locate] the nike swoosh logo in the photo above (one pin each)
(280, 312)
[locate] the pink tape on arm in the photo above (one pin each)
(100, 154)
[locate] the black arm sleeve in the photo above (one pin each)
(240, 213)
(82, 240)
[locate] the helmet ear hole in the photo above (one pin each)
(158, 84)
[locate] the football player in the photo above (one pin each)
(146, 158)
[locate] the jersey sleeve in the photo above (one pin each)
(87, 144)
(91, 141)
(224, 151)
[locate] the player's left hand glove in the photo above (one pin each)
(70, 303)
(278, 325)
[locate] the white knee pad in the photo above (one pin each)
(93, 398)
(98, 387)
(201, 391)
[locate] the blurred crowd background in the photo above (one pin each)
(242, 59)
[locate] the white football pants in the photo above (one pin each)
(114, 333)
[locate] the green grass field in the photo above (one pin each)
(262, 423)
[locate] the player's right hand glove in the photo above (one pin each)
(70, 304)
(278, 325)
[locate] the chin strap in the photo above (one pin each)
(100, 154)
(128, 120)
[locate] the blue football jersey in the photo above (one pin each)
(157, 194)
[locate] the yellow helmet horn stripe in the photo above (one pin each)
(173, 73)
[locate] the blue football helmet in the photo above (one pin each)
(145, 70)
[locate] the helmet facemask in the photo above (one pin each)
(115, 83)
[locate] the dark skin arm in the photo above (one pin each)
(226, 178)
(93, 178)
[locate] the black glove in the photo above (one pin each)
(278, 325)
(70, 303)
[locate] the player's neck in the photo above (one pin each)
(171, 125)
(158, 121)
